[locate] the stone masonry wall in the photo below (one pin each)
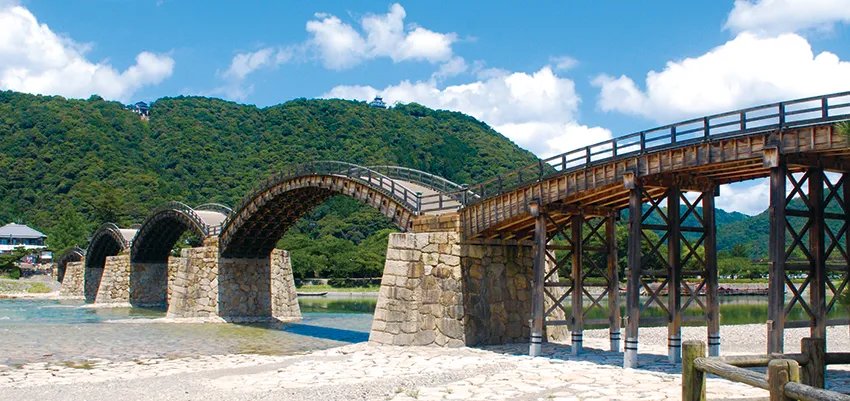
(244, 290)
(194, 286)
(115, 282)
(91, 282)
(258, 289)
(284, 296)
(149, 284)
(74, 281)
(437, 291)
(201, 284)
(172, 266)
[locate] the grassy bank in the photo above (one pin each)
(328, 288)
(9, 286)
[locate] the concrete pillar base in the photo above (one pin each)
(630, 357)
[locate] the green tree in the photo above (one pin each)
(9, 260)
(70, 231)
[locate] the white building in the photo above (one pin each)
(14, 235)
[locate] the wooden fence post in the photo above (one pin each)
(693, 380)
(779, 373)
(814, 370)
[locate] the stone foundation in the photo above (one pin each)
(149, 285)
(91, 278)
(193, 288)
(203, 285)
(437, 291)
(73, 284)
(115, 281)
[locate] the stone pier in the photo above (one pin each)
(205, 285)
(73, 285)
(149, 285)
(114, 287)
(437, 290)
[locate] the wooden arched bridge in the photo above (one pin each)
(475, 263)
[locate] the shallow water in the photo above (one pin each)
(57, 331)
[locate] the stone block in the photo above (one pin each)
(424, 337)
(380, 337)
(402, 241)
(451, 328)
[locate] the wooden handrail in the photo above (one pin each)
(782, 379)
(723, 125)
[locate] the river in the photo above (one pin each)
(59, 331)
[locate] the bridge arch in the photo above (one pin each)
(108, 240)
(263, 216)
(74, 254)
(165, 224)
(150, 270)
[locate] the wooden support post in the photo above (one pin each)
(576, 223)
(817, 272)
(537, 283)
(693, 379)
(614, 285)
(674, 276)
(776, 266)
(633, 287)
(814, 371)
(779, 373)
(712, 311)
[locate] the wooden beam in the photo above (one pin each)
(633, 287)
(537, 295)
(817, 286)
(577, 223)
(776, 265)
(712, 298)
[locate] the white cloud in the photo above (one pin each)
(536, 110)
(451, 68)
(749, 198)
(747, 70)
(563, 63)
(781, 16)
(340, 46)
(34, 59)
(245, 63)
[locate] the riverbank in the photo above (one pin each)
(40, 286)
(367, 372)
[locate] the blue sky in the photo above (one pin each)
(552, 75)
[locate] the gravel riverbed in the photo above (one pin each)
(369, 372)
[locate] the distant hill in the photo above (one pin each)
(69, 165)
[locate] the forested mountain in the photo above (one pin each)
(67, 165)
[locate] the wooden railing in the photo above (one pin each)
(449, 196)
(783, 380)
(766, 118)
(190, 213)
(378, 181)
(112, 230)
(213, 230)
